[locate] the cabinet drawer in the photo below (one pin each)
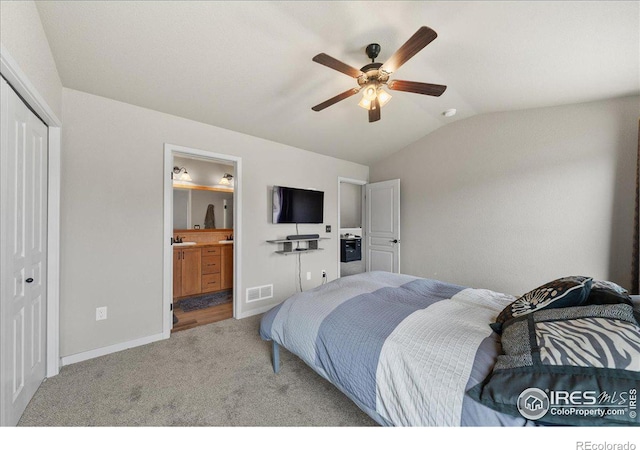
(210, 264)
(210, 251)
(211, 282)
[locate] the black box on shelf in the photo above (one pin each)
(350, 249)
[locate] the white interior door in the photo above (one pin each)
(23, 233)
(382, 226)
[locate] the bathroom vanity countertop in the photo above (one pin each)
(203, 244)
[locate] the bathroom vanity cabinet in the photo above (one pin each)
(226, 270)
(210, 269)
(201, 269)
(187, 263)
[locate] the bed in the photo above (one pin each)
(409, 351)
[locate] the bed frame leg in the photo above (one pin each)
(276, 357)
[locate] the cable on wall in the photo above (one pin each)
(299, 261)
(299, 272)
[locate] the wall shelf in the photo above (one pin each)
(287, 245)
(293, 252)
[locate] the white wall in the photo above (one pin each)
(21, 33)
(508, 201)
(350, 205)
(112, 213)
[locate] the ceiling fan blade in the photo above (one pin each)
(418, 88)
(374, 112)
(336, 99)
(417, 42)
(334, 64)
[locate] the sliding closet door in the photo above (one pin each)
(23, 257)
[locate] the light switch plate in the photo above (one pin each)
(328, 228)
(101, 313)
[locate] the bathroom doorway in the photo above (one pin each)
(351, 254)
(202, 227)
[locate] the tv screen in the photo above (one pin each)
(291, 205)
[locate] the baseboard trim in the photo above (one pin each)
(253, 312)
(83, 356)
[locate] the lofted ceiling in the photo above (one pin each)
(246, 66)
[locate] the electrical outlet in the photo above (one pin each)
(308, 275)
(101, 313)
(324, 273)
(327, 228)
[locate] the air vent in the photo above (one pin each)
(253, 294)
(266, 291)
(257, 293)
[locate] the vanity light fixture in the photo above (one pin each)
(181, 174)
(226, 179)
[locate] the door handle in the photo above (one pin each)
(29, 280)
(395, 241)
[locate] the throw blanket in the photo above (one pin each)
(404, 349)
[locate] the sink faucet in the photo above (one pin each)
(178, 240)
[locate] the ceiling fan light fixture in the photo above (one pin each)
(370, 92)
(364, 103)
(383, 97)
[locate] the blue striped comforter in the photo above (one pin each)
(404, 349)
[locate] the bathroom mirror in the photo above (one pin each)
(190, 208)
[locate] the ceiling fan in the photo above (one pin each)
(374, 76)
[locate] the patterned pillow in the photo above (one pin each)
(603, 293)
(608, 286)
(568, 366)
(567, 291)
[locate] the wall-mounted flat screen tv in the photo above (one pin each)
(292, 205)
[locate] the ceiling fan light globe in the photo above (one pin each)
(370, 92)
(383, 97)
(364, 103)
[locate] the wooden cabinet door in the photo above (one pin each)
(226, 269)
(177, 273)
(191, 271)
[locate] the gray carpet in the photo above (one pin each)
(213, 375)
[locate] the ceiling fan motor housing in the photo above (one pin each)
(373, 50)
(373, 74)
